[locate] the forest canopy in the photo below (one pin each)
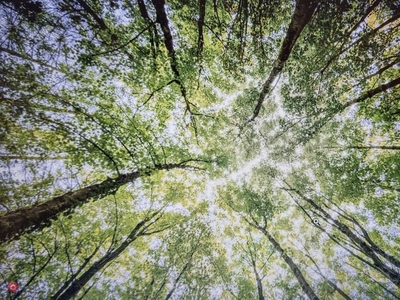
(208, 149)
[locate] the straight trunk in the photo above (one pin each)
(185, 268)
(17, 222)
(80, 282)
(373, 92)
(302, 15)
(75, 274)
(376, 147)
(330, 282)
(259, 284)
(296, 271)
(369, 251)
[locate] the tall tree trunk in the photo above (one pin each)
(258, 278)
(80, 282)
(368, 94)
(185, 267)
(302, 15)
(330, 282)
(375, 147)
(371, 251)
(296, 271)
(17, 222)
(259, 284)
(162, 19)
(68, 282)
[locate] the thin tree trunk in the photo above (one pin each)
(185, 267)
(394, 147)
(200, 24)
(370, 251)
(331, 283)
(17, 222)
(258, 278)
(374, 280)
(259, 284)
(75, 274)
(162, 19)
(343, 244)
(348, 36)
(382, 88)
(302, 15)
(80, 282)
(375, 147)
(381, 70)
(296, 271)
(365, 234)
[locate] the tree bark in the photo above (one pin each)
(382, 88)
(17, 222)
(200, 24)
(302, 15)
(162, 19)
(296, 271)
(371, 252)
(75, 274)
(330, 282)
(259, 284)
(80, 282)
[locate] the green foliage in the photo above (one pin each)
(90, 90)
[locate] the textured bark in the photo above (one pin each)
(17, 222)
(296, 271)
(382, 88)
(302, 15)
(80, 282)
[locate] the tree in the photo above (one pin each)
(17, 222)
(141, 228)
(259, 208)
(277, 127)
(364, 244)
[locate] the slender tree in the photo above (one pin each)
(141, 229)
(303, 12)
(364, 243)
